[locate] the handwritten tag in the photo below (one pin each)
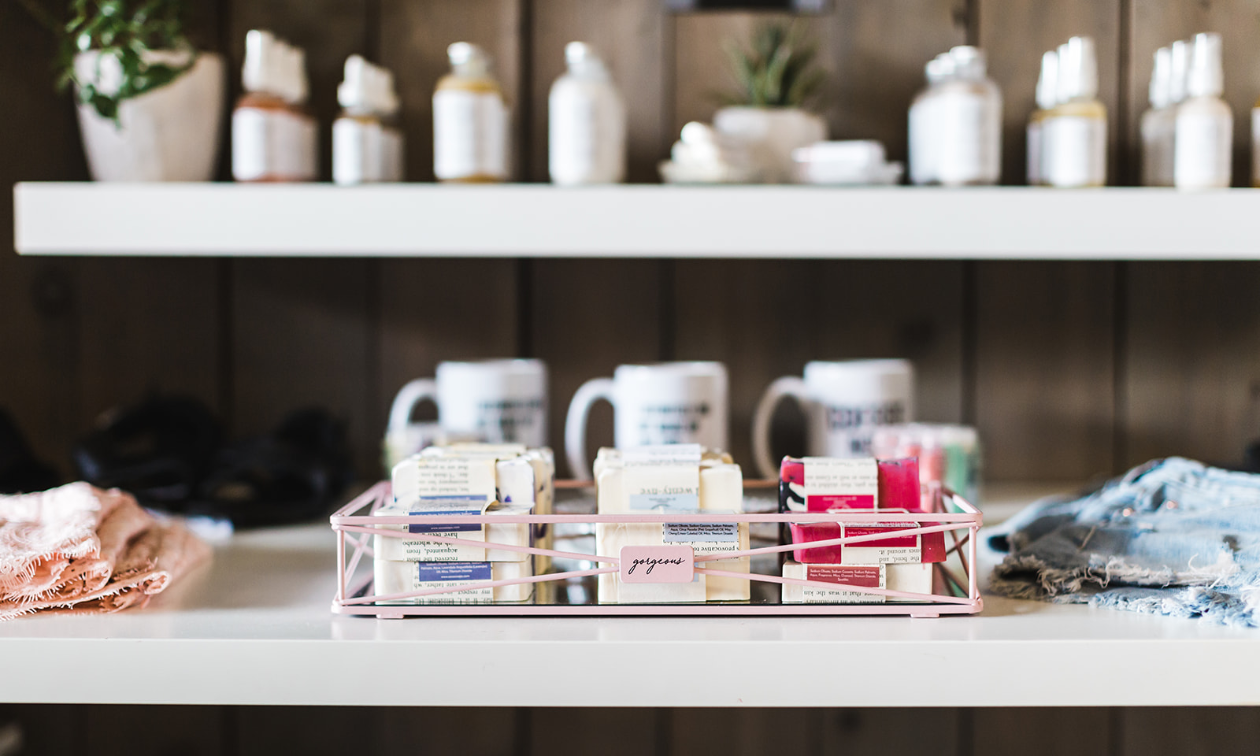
(657, 564)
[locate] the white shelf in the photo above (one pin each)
(255, 628)
(428, 220)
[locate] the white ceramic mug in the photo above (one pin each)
(662, 403)
(843, 404)
(498, 401)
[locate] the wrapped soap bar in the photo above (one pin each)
(678, 479)
(704, 540)
(895, 549)
(823, 484)
(910, 578)
(418, 550)
(402, 577)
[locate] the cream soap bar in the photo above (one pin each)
(417, 550)
(704, 540)
(721, 488)
(402, 577)
(911, 578)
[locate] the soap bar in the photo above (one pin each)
(822, 484)
(899, 484)
(416, 550)
(704, 540)
(721, 487)
(910, 578)
(401, 577)
(925, 548)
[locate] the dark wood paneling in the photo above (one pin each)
(744, 732)
(631, 37)
(588, 317)
(859, 732)
(1190, 731)
(413, 41)
(447, 732)
(153, 730)
(303, 333)
(1044, 367)
(311, 731)
(1192, 361)
(1156, 23)
(608, 732)
(1015, 33)
(1042, 732)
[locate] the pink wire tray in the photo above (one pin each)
(355, 594)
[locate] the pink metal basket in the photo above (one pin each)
(355, 595)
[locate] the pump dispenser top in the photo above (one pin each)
(1206, 76)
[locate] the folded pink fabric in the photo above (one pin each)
(77, 548)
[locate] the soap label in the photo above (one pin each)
(840, 484)
(657, 564)
(662, 478)
(872, 576)
(455, 575)
(703, 538)
(435, 506)
(896, 549)
(455, 476)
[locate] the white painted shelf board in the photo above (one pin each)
(524, 220)
(255, 628)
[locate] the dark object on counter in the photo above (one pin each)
(20, 471)
(157, 450)
(294, 474)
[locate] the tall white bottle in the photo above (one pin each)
(1205, 124)
(1047, 98)
(587, 129)
(924, 124)
(1076, 130)
(1158, 124)
(470, 120)
(969, 118)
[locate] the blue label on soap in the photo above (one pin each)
(453, 572)
(448, 505)
(665, 502)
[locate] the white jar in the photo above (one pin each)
(470, 120)
(587, 128)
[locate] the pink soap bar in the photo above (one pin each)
(931, 545)
(899, 484)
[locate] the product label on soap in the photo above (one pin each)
(703, 538)
(657, 564)
(872, 576)
(455, 575)
(840, 484)
(662, 478)
(895, 549)
(455, 476)
(436, 506)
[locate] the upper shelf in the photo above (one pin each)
(535, 220)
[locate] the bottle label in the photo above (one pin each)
(1034, 154)
(357, 148)
(470, 133)
(1202, 150)
(969, 148)
(273, 144)
(586, 136)
(1157, 147)
(1075, 151)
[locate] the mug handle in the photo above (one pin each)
(575, 423)
(786, 386)
(405, 403)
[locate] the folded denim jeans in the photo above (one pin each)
(1171, 537)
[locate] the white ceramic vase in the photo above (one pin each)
(771, 134)
(168, 134)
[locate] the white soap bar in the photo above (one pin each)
(704, 540)
(721, 489)
(910, 578)
(422, 476)
(403, 577)
(417, 550)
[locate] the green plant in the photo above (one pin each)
(778, 71)
(124, 30)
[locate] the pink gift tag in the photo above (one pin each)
(657, 564)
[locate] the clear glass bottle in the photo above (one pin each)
(924, 127)
(274, 137)
(969, 114)
(1158, 124)
(587, 122)
(1047, 98)
(367, 143)
(1205, 124)
(470, 120)
(1076, 129)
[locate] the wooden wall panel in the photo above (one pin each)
(1042, 732)
(1156, 23)
(631, 37)
(1015, 34)
(858, 732)
(588, 316)
(308, 730)
(413, 41)
(435, 310)
(745, 732)
(1044, 369)
(153, 730)
(446, 732)
(1192, 361)
(608, 732)
(1190, 731)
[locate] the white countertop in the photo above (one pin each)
(255, 628)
